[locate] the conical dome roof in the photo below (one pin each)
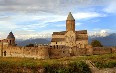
(70, 17)
(10, 36)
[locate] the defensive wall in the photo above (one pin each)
(47, 51)
(40, 52)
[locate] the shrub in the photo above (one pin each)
(106, 64)
(74, 67)
(96, 43)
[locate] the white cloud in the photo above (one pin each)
(56, 6)
(12, 23)
(32, 34)
(43, 11)
(99, 32)
(7, 25)
(87, 15)
(111, 8)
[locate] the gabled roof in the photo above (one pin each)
(81, 32)
(10, 36)
(59, 33)
(70, 17)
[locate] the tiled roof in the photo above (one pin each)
(81, 32)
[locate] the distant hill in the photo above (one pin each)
(33, 41)
(109, 40)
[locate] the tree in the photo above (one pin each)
(96, 43)
(30, 45)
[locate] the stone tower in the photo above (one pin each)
(70, 23)
(11, 39)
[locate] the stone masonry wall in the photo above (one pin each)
(55, 51)
(40, 52)
(58, 51)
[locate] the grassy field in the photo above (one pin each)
(63, 65)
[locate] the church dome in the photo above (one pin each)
(10, 36)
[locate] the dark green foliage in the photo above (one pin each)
(75, 67)
(30, 45)
(96, 43)
(110, 64)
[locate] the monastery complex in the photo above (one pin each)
(63, 44)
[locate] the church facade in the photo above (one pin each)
(70, 37)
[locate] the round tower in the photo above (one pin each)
(70, 23)
(11, 39)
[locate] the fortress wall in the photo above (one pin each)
(0, 48)
(58, 51)
(113, 49)
(79, 51)
(89, 51)
(102, 50)
(30, 52)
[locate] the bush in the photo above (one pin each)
(75, 67)
(96, 43)
(109, 64)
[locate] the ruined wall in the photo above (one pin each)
(93, 51)
(113, 49)
(40, 52)
(79, 51)
(102, 50)
(58, 51)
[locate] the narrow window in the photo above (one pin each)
(4, 53)
(10, 41)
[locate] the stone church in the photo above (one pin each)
(70, 37)
(10, 40)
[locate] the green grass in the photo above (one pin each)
(62, 65)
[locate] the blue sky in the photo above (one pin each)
(40, 18)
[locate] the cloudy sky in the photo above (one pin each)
(39, 18)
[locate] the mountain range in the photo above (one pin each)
(109, 40)
(21, 42)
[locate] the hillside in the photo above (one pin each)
(109, 40)
(33, 41)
